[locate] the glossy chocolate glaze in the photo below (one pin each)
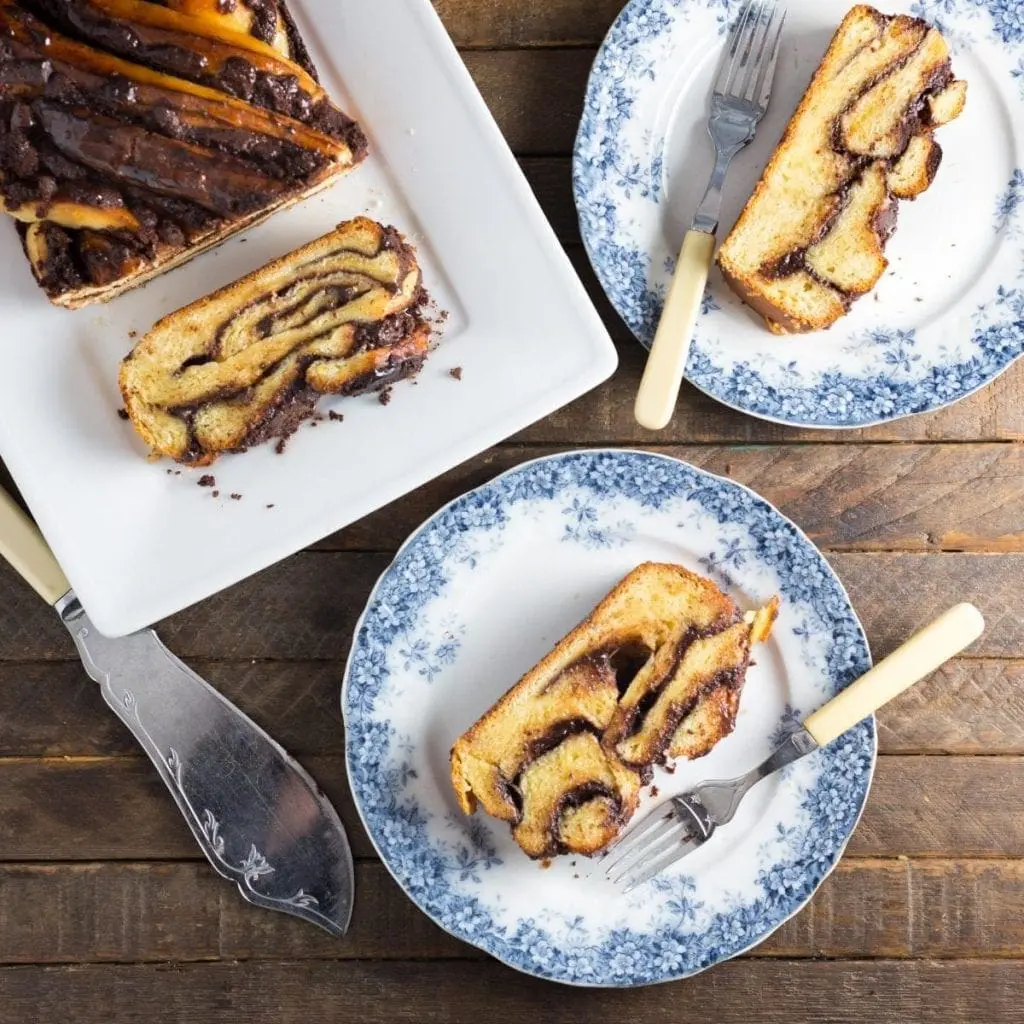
(77, 128)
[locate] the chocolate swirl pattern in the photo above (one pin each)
(136, 134)
(654, 672)
(811, 239)
(248, 363)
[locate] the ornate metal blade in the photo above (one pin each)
(259, 818)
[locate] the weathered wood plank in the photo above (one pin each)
(117, 809)
(143, 912)
(962, 497)
(52, 709)
(771, 992)
(536, 96)
(495, 23)
(551, 181)
(306, 607)
(972, 706)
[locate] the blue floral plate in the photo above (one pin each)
(478, 595)
(947, 318)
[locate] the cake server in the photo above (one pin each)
(683, 823)
(261, 821)
(738, 103)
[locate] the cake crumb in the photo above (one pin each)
(385, 396)
(236, 497)
(335, 417)
(123, 414)
(133, 334)
(545, 864)
(216, 494)
(207, 480)
(456, 372)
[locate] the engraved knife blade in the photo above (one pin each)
(257, 815)
(259, 818)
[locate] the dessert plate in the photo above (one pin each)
(483, 590)
(139, 542)
(947, 318)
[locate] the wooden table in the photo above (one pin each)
(108, 913)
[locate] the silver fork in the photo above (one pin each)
(683, 823)
(738, 103)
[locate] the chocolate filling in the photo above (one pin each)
(637, 715)
(916, 119)
(182, 165)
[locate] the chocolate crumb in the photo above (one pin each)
(270, 506)
(335, 417)
(575, 876)
(133, 334)
(456, 372)
(206, 480)
(123, 414)
(280, 446)
(177, 472)
(313, 423)
(654, 790)
(385, 396)
(236, 497)
(216, 494)
(670, 768)
(169, 472)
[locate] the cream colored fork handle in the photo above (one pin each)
(922, 654)
(23, 546)
(659, 390)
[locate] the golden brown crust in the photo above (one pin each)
(654, 671)
(247, 363)
(810, 239)
(135, 135)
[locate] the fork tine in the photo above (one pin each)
(733, 46)
(656, 849)
(637, 843)
(767, 73)
(758, 47)
(651, 870)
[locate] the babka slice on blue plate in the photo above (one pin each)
(654, 672)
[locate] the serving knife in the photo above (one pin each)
(261, 821)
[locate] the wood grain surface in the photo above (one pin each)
(109, 913)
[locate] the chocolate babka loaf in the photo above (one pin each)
(811, 239)
(248, 363)
(136, 134)
(654, 672)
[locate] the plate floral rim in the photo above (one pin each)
(363, 739)
(837, 399)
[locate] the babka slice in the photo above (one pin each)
(134, 135)
(811, 239)
(655, 671)
(339, 316)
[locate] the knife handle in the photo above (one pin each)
(921, 655)
(23, 546)
(659, 390)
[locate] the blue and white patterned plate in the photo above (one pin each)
(479, 594)
(947, 318)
